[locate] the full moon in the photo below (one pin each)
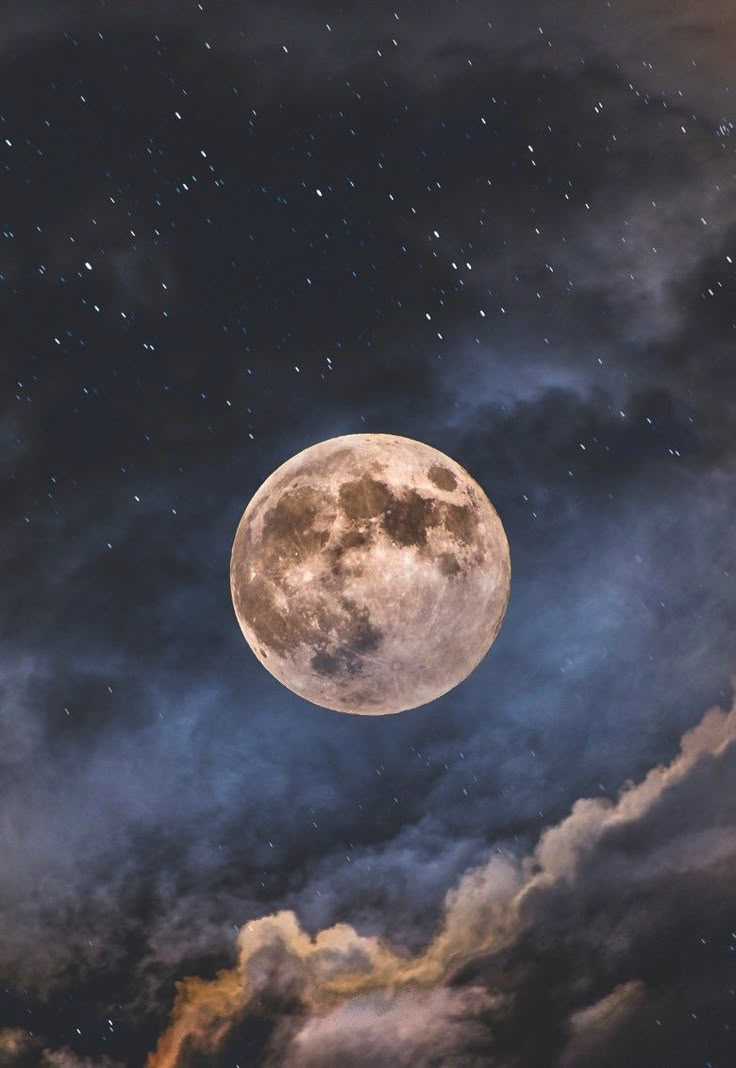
(370, 574)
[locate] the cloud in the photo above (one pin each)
(19, 1049)
(66, 1059)
(343, 984)
(157, 814)
(13, 1043)
(411, 1029)
(664, 49)
(591, 1026)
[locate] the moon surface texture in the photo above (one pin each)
(370, 574)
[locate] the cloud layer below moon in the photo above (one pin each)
(338, 997)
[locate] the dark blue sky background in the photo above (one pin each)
(226, 233)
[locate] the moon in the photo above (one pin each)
(370, 574)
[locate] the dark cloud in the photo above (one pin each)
(577, 936)
(522, 254)
(19, 1049)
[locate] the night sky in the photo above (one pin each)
(229, 230)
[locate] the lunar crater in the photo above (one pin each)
(363, 498)
(442, 477)
(449, 564)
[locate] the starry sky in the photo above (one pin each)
(229, 230)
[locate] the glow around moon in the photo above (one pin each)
(370, 574)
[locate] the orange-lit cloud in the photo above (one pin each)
(343, 978)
